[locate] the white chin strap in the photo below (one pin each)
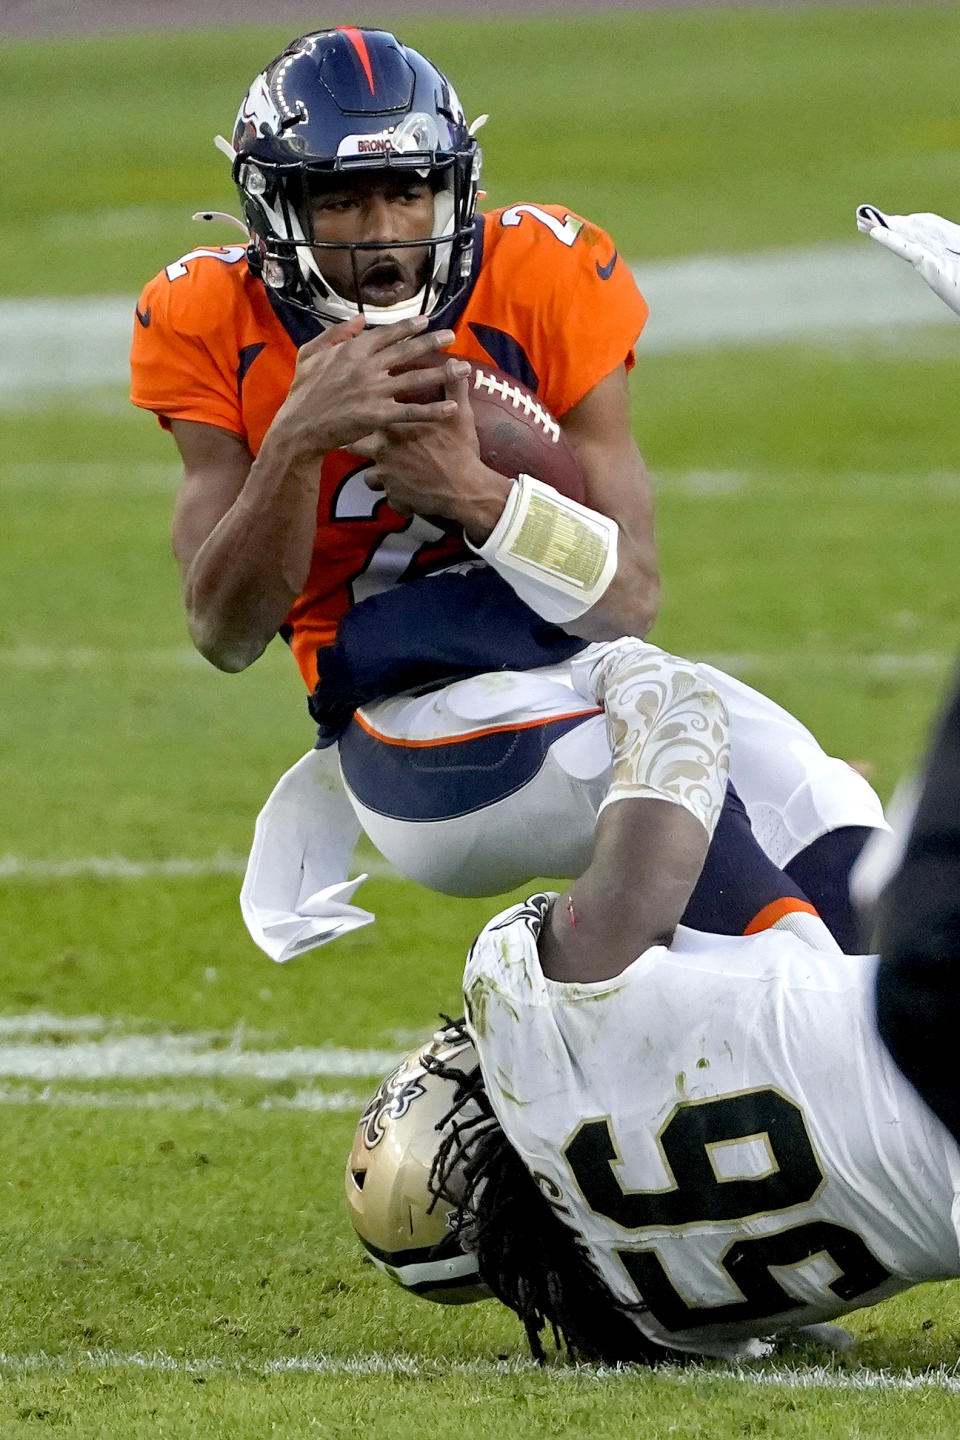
(334, 307)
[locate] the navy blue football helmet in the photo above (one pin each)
(333, 103)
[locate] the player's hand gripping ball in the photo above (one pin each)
(516, 431)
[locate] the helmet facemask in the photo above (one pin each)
(343, 296)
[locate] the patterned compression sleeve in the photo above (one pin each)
(918, 981)
(666, 724)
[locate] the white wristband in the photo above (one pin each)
(558, 555)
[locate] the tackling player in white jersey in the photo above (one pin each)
(637, 1137)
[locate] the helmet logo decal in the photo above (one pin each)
(399, 1090)
(356, 39)
(258, 114)
(393, 1099)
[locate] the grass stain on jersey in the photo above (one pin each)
(481, 992)
(507, 1095)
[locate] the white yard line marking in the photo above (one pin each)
(709, 483)
(90, 657)
(41, 1022)
(803, 662)
(822, 1377)
(882, 662)
(312, 1101)
(104, 476)
(151, 1057)
(813, 1378)
(158, 1360)
(121, 867)
(109, 477)
(33, 1047)
(816, 293)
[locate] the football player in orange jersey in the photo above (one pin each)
(366, 260)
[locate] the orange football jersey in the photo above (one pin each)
(551, 304)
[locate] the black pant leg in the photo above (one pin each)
(918, 981)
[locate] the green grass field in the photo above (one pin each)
(174, 1255)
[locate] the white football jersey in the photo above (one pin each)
(721, 1125)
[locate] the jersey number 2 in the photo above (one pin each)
(690, 1141)
(565, 230)
(228, 255)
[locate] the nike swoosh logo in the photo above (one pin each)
(605, 271)
(144, 317)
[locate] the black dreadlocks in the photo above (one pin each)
(528, 1257)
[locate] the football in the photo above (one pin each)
(518, 434)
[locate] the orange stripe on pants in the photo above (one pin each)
(766, 918)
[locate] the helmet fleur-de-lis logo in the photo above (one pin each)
(393, 1099)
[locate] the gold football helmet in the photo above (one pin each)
(400, 1220)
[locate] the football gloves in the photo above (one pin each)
(930, 243)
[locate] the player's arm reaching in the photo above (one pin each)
(244, 528)
(437, 470)
(668, 734)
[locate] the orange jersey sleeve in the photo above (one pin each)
(553, 304)
(202, 326)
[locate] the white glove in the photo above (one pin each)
(930, 243)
